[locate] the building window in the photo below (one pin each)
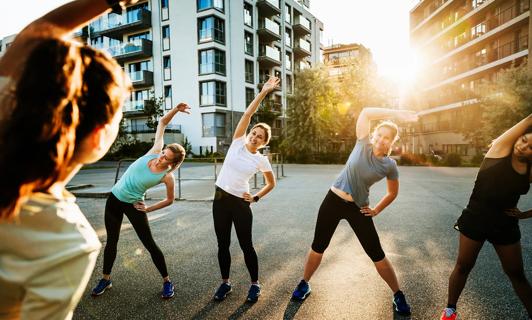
(168, 97)
(248, 14)
(210, 4)
(166, 38)
(287, 38)
(134, 13)
(167, 68)
(211, 61)
(212, 93)
(164, 10)
(288, 14)
(97, 42)
(250, 75)
(250, 95)
(248, 38)
(213, 124)
(211, 28)
(138, 36)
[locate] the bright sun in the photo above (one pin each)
(400, 66)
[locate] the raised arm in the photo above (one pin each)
(368, 114)
(243, 124)
(161, 126)
(55, 24)
(503, 145)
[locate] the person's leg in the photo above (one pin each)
(468, 250)
(243, 220)
(139, 221)
(113, 221)
(326, 223)
(222, 227)
(512, 264)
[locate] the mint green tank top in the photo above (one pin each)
(137, 179)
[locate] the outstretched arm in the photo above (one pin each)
(161, 126)
(392, 187)
(368, 114)
(502, 146)
(55, 24)
(514, 212)
(243, 124)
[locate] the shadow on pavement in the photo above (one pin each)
(205, 311)
(240, 311)
(291, 309)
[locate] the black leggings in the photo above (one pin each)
(226, 210)
(114, 213)
(332, 210)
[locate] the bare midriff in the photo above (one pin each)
(342, 194)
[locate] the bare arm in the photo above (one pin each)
(502, 146)
(163, 123)
(168, 180)
(514, 212)
(392, 187)
(55, 24)
(243, 124)
(270, 184)
(369, 114)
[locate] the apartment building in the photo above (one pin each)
(462, 43)
(213, 54)
(338, 57)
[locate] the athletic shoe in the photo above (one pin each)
(223, 291)
(101, 286)
(168, 290)
(254, 292)
(400, 305)
(302, 291)
(449, 314)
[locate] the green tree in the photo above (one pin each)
(502, 103)
(154, 110)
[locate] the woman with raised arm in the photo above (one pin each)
(232, 198)
(348, 198)
(60, 108)
(127, 197)
(492, 214)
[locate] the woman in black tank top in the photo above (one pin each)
(492, 214)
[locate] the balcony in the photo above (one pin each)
(143, 128)
(137, 49)
(135, 108)
(268, 30)
(269, 56)
(268, 7)
(302, 48)
(263, 78)
(142, 78)
(301, 26)
(115, 26)
(81, 34)
(302, 65)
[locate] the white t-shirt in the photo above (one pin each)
(239, 166)
(47, 255)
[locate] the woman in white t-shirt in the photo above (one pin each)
(232, 198)
(60, 108)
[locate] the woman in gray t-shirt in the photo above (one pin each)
(348, 199)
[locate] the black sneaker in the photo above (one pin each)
(101, 286)
(400, 305)
(223, 291)
(254, 293)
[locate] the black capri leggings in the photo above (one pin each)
(332, 210)
(226, 210)
(114, 213)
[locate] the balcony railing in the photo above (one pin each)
(301, 25)
(269, 30)
(268, 7)
(490, 55)
(141, 78)
(269, 54)
(136, 106)
(302, 48)
(143, 128)
(116, 25)
(435, 5)
(135, 49)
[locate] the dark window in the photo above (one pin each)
(250, 95)
(211, 61)
(250, 75)
(212, 93)
(143, 35)
(210, 4)
(248, 14)
(213, 124)
(248, 38)
(211, 28)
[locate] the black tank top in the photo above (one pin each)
(498, 186)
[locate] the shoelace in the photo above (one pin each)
(449, 312)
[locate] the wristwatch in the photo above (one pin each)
(256, 198)
(115, 5)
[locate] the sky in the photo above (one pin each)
(380, 25)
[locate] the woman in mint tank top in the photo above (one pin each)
(127, 197)
(348, 198)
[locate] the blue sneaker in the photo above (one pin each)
(168, 290)
(223, 291)
(254, 293)
(302, 291)
(101, 286)
(400, 305)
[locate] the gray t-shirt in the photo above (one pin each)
(362, 170)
